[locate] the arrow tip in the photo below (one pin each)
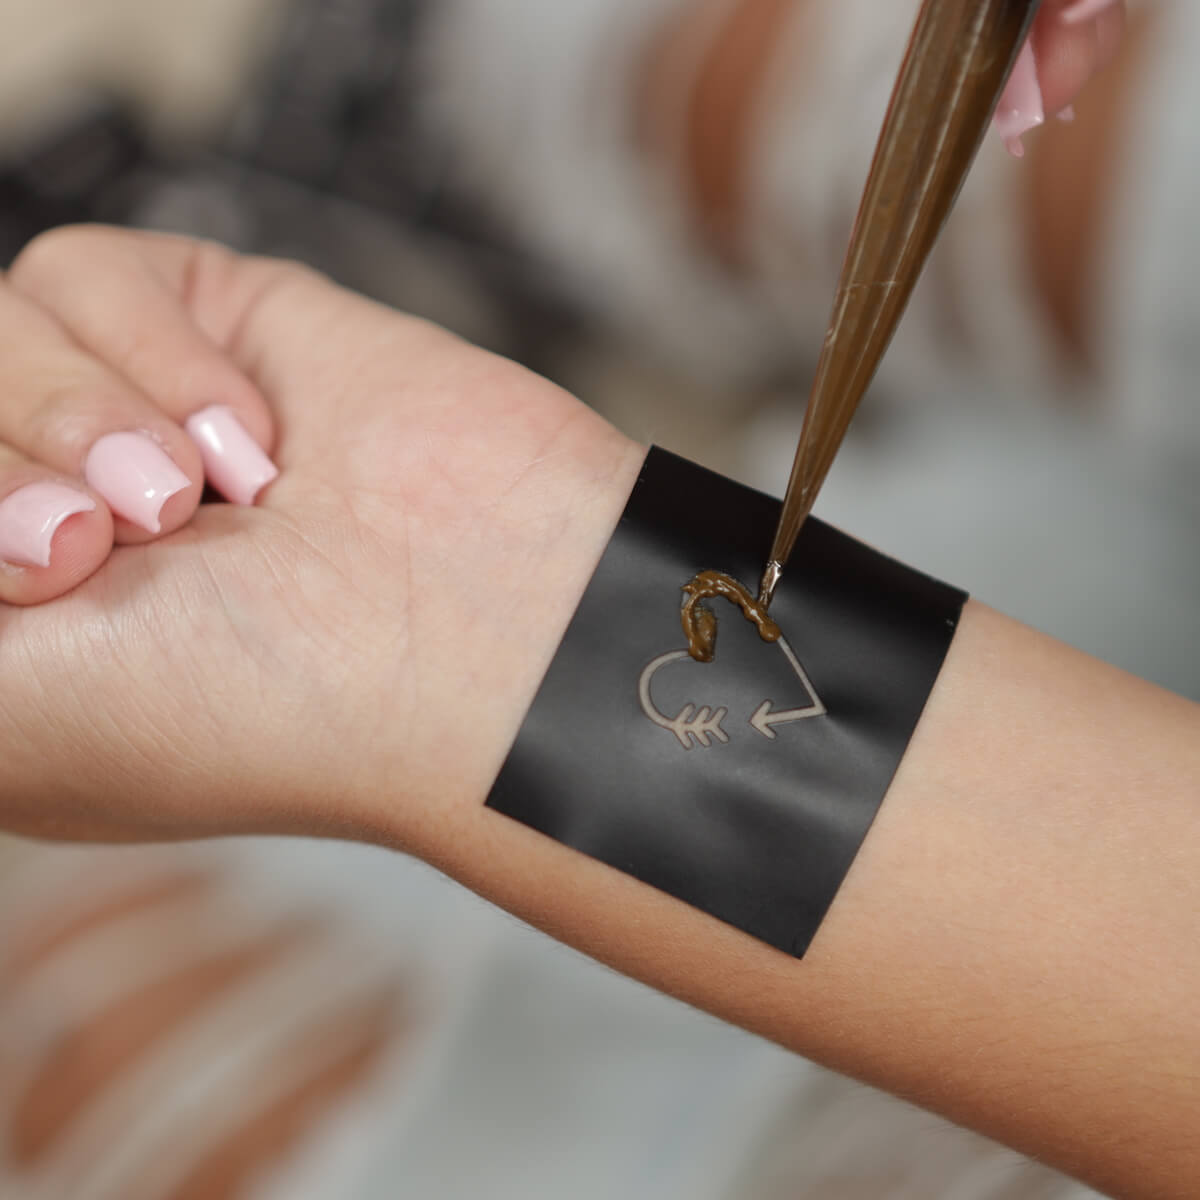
(761, 720)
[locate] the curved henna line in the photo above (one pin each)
(700, 623)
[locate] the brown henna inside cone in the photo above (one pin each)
(700, 623)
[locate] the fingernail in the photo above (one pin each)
(135, 475)
(233, 461)
(1021, 107)
(1084, 10)
(30, 517)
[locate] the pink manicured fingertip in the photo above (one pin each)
(1021, 107)
(1085, 10)
(233, 461)
(135, 475)
(31, 516)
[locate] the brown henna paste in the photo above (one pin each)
(700, 622)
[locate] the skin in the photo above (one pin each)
(1069, 191)
(1070, 56)
(1014, 947)
(410, 462)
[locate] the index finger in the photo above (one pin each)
(123, 307)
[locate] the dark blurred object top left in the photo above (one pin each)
(326, 160)
(85, 166)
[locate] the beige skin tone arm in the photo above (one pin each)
(1016, 944)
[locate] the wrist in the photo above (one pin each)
(492, 625)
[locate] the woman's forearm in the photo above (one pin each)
(1016, 944)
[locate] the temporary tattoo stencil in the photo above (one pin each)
(702, 726)
(695, 746)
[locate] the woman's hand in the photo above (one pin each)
(354, 656)
(1071, 42)
(370, 633)
(114, 407)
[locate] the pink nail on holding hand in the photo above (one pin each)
(233, 461)
(31, 516)
(1021, 107)
(135, 475)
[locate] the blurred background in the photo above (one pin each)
(648, 201)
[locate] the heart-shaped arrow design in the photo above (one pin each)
(702, 726)
(766, 717)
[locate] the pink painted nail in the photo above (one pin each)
(233, 461)
(1084, 10)
(30, 517)
(1021, 107)
(135, 475)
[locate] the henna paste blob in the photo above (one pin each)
(700, 622)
